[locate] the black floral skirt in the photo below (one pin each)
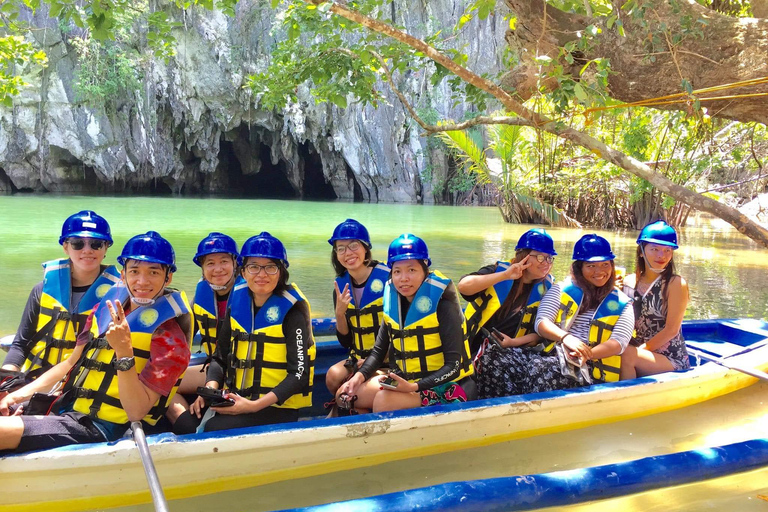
(515, 371)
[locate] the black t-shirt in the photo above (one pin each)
(22, 342)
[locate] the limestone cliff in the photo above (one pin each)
(191, 127)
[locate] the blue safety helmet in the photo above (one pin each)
(264, 245)
(150, 247)
(216, 243)
(86, 224)
(537, 239)
(350, 229)
(592, 247)
(660, 233)
(408, 247)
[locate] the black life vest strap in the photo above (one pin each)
(257, 362)
(473, 322)
(601, 326)
(566, 309)
(206, 324)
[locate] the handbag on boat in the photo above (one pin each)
(570, 368)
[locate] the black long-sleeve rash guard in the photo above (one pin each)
(449, 318)
(22, 344)
(298, 339)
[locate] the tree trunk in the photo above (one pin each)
(719, 50)
(639, 169)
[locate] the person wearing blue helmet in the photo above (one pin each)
(586, 319)
(357, 297)
(506, 295)
(424, 335)
(661, 296)
(218, 258)
(265, 352)
(127, 363)
(58, 306)
(503, 299)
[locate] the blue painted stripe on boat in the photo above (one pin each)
(566, 487)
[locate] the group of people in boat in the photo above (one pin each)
(100, 347)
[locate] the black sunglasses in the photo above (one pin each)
(78, 244)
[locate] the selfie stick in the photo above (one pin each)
(158, 497)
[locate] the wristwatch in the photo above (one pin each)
(124, 363)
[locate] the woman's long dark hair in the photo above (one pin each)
(516, 300)
(593, 296)
(339, 268)
(666, 275)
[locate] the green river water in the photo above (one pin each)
(726, 272)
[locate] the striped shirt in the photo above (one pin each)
(550, 304)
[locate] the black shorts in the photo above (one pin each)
(43, 432)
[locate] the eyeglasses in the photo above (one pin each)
(541, 258)
(78, 244)
(254, 269)
(352, 246)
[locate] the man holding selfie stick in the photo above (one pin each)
(127, 363)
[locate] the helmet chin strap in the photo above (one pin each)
(148, 302)
(648, 263)
(218, 287)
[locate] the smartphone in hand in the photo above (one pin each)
(492, 337)
(572, 360)
(388, 383)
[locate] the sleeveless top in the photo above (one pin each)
(650, 318)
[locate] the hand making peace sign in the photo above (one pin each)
(515, 270)
(119, 333)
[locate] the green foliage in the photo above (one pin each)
(16, 55)
(105, 72)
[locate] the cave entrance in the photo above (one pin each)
(315, 186)
(246, 169)
(270, 182)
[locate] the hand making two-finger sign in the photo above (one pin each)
(343, 298)
(515, 270)
(119, 333)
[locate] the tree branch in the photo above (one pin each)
(739, 221)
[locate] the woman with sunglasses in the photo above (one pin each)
(661, 297)
(503, 299)
(58, 306)
(265, 351)
(423, 334)
(357, 298)
(587, 317)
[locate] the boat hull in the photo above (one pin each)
(111, 475)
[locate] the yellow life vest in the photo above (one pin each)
(600, 327)
(206, 314)
(364, 319)
(485, 305)
(258, 357)
(415, 346)
(57, 325)
(95, 387)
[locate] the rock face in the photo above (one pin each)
(192, 128)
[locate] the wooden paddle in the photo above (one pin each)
(753, 372)
(158, 496)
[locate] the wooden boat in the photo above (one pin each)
(622, 486)
(110, 474)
